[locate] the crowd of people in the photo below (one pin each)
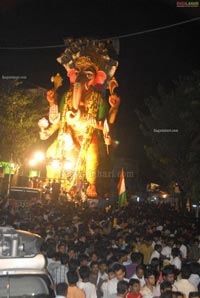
(139, 251)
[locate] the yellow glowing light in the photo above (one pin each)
(55, 164)
(39, 156)
(68, 141)
(32, 162)
(68, 165)
(163, 195)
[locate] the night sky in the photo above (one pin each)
(145, 60)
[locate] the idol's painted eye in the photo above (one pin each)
(77, 71)
(89, 74)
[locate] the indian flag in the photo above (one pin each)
(122, 201)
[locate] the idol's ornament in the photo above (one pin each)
(89, 108)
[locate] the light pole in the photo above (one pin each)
(9, 176)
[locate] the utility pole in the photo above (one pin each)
(10, 175)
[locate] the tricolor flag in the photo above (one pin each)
(122, 201)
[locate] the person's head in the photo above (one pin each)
(170, 241)
(136, 257)
(94, 256)
(120, 271)
(57, 256)
(61, 248)
(168, 273)
(195, 268)
(103, 266)
(180, 237)
(122, 256)
(51, 250)
(120, 240)
(177, 294)
(156, 264)
(158, 247)
(140, 271)
(178, 244)
(128, 249)
(72, 277)
(165, 285)
(84, 272)
(167, 294)
(134, 285)
(150, 277)
(194, 295)
(111, 273)
(185, 271)
(61, 289)
(148, 240)
(73, 264)
(175, 252)
(83, 259)
(64, 259)
(94, 267)
(82, 238)
(196, 242)
(122, 287)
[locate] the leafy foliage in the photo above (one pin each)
(20, 110)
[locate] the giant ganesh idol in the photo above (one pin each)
(89, 108)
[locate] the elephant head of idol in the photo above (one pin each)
(88, 67)
(83, 77)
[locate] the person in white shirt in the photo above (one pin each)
(180, 243)
(167, 248)
(195, 274)
(84, 283)
(168, 274)
(55, 263)
(120, 272)
(183, 284)
(108, 286)
(150, 281)
(156, 252)
(176, 258)
(139, 274)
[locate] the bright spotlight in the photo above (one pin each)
(39, 156)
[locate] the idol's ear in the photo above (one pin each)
(99, 78)
(72, 75)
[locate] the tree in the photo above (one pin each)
(20, 110)
(172, 129)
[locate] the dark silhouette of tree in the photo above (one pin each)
(171, 126)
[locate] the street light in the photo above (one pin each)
(39, 156)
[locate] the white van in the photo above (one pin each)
(23, 272)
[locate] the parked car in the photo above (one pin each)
(23, 271)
